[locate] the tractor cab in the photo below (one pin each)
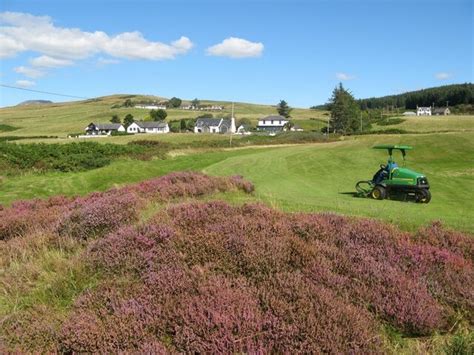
(392, 179)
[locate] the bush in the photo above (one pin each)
(210, 277)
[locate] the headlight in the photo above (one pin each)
(422, 181)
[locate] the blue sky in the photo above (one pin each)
(252, 51)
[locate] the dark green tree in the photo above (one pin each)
(115, 119)
(195, 102)
(244, 121)
(182, 125)
(345, 112)
(128, 120)
(158, 115)
(190, 125)
(283, 109)
(128, 103)
(174, 102)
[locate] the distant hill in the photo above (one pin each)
(34, 102)
(454, 95)
(460, 95)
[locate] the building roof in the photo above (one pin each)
(208, 122)
(151, 124)
(439, 109)
(106, 126)
(275, 118)
(424, 108)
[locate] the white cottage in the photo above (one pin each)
(148, 127)
(215, 125)
(423, 111)
(272, 123)
(103, 129)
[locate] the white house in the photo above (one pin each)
(443, 111)
(215, 125)
(101, 129)
(151, 107)
(423, 111)
(148, 127)
(272, 123)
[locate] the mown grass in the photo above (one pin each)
(312, 177)
(322, 178)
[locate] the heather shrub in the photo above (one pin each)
(209, 277)
(97, 214)
(26, 217)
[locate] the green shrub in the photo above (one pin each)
(7, 128)
(390, 121)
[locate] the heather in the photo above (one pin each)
(210, 277)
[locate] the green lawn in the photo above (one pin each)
(316, 177)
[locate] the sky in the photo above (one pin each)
(244, 51)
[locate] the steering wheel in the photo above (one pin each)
(382, 166)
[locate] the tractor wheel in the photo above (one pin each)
(378, 193)
(423, 196)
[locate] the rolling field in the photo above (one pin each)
(311, 177)
(72, 117)
(428, 124)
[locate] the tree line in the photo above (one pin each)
(452, 95)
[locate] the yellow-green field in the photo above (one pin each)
(72, 117)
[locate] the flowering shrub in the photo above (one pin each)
(98, 214)
(215, 278)
(209, 277)
(25, 217)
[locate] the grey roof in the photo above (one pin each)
(207, 122)
(151, 124)
(226, 122)
(275, 118)
(439, 109)
(106, 126)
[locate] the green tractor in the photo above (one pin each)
(392, 180)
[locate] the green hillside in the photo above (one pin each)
(61, 119)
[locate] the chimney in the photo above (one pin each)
(233, 129)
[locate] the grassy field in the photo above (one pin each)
(72, 117)
(425, 124)
(314, 177)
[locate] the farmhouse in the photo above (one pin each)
(423, 111)
(443, 111)
(215, 125)
(148, 127)
(99, 129)
(151, 107)
(272, 124)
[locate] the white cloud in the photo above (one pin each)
(236, 48)
(45, 61)
(22, 32)
(29, 72)
(344, 76)
(106, 61)
(25, 83)
(443, 76)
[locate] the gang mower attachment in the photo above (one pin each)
(391, 180)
